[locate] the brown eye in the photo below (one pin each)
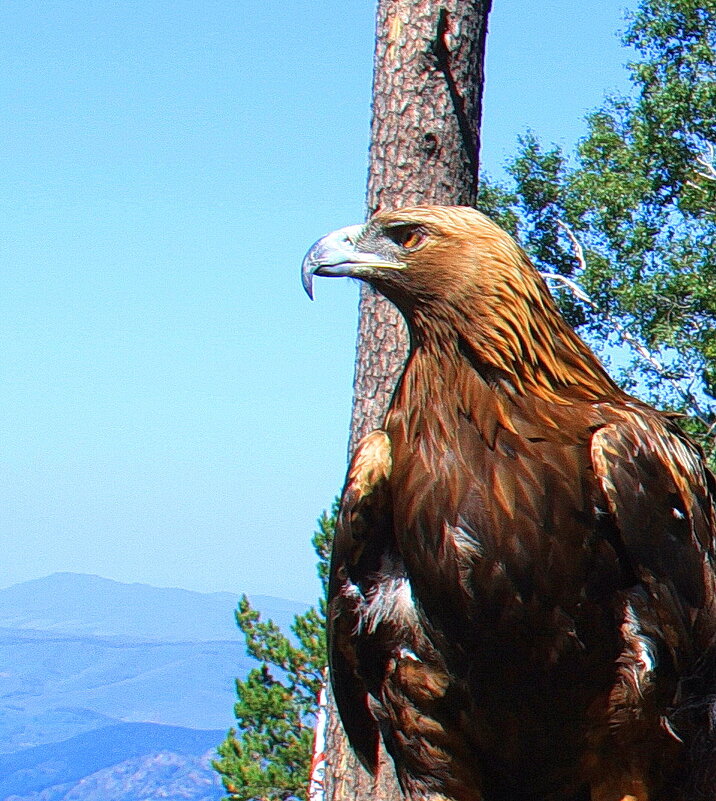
(407, 236)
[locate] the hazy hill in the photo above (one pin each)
(22, 728)
(64, 764)
(162, 776)
(74, 603)
(175, 683)
(89, 668)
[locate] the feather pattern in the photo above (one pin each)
(522, 597)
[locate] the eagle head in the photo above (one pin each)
(456, 275)
(422, 256)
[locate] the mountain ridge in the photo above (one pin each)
(67, 762)
(88, 663)
(92, 605)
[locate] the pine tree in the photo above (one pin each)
(268, 756)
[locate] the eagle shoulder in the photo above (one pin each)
(659, 494)
(363, 537)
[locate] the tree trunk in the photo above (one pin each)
(425, 136)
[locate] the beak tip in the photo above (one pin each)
(307, 278)
(332, 255)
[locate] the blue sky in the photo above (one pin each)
(173, 409)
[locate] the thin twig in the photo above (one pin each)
(576, 245)
(707, 162)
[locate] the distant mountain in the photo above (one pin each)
(142, 755)
(116, 692)
(74, 603)
(164, 776)
(157, 777)
(20, 728)
(181, 684)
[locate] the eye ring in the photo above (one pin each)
(407, 235)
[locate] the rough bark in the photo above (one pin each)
(425, 136)
(425, 139)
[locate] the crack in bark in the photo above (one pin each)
(441, 52)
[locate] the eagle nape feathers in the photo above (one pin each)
(522, 600)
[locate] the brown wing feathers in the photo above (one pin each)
(655, 487)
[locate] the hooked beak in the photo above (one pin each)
(335, 256)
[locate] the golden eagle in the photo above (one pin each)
(522, 598)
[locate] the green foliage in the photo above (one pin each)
(631, 215)
(268, 756)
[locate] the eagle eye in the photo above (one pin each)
(408, 236)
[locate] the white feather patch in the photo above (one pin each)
(642, 648)
(389, 602)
